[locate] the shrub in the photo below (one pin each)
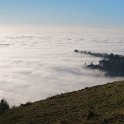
(26, 104)
(4, 105)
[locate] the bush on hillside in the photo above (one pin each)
(4, 105)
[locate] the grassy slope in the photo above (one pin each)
(97, 105)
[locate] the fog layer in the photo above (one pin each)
(38, 62)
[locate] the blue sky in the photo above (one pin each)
(63, 12)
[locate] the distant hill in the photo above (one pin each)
(96, 105)
(111, 64)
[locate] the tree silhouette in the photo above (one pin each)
(4, 105)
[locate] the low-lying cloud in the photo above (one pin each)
(41, 64)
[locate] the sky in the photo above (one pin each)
(63, 12)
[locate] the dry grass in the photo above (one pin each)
(97, 105)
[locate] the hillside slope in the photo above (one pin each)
(97, 105)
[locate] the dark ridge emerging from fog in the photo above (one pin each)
(112, 64)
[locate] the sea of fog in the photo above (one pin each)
(39, 62)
